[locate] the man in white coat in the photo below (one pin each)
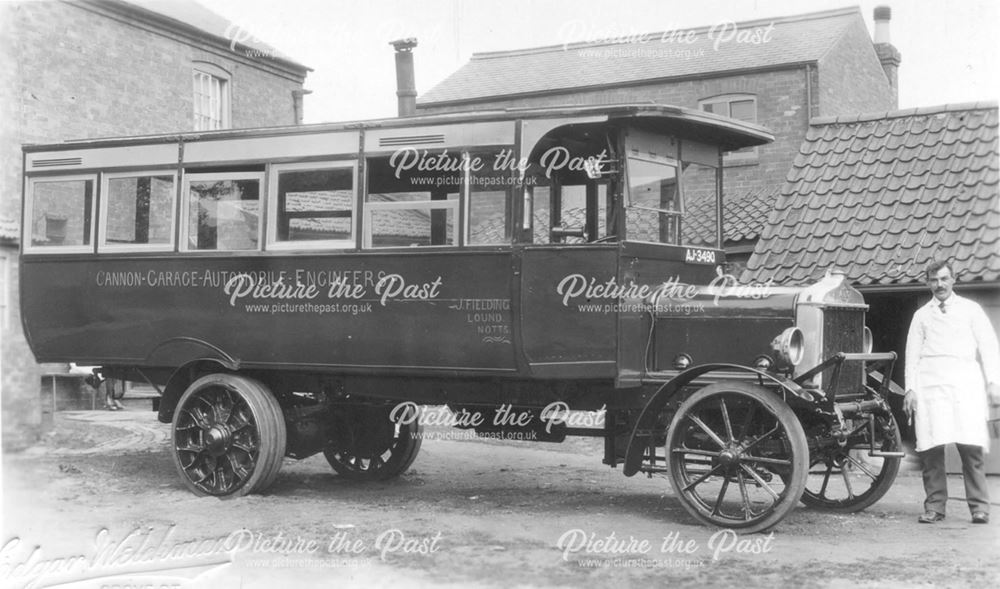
(952, 374)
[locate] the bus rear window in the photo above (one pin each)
(60, 213)
(222, 212)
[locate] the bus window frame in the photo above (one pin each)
(462, 208)
(103, 246)
(28, 245)
(188, 177)
(457, 204)
(429, 205)
(507, 189)
(718, 202)
(678, 214)
(274, 171)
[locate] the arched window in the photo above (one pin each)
(211, 97)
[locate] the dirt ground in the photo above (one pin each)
(99, 504)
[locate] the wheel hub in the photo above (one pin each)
(217, 440)
(729, 457)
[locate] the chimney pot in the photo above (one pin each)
(888, 55)
(883, 14)
(406, 44)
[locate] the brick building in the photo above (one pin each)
(777, 72)
(94, 68)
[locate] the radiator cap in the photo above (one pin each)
(833, 289)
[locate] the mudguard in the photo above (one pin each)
(647, 419)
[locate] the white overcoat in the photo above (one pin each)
(951, 353)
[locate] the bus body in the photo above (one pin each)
(285, 289)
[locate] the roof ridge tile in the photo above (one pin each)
(984, 105)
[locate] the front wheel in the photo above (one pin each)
(737, 456)
(843, 478)
(228, 436)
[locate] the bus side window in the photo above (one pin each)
(222, 211)
(572, 214)
(489, 207)
(312, 204)
(654, 207)
(701, 206)
(541, 218)
(411, 207)
(137, 211)
(60, 213)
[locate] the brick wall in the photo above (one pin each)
(10, 127)
(75, 71)
(20, 375)
(781, 100)
(82, 74)
(851, 79)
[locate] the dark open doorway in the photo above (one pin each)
(889, 316)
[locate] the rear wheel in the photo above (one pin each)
(228, 436)
(368, 445)
(737, 456)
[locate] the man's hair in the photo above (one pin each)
(934, 265)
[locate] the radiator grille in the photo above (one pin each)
(843, 331)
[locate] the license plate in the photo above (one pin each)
(699, 256)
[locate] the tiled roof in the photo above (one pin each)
(746, 213)
(193, 15)
(9, 229)
(876, 197)
(792, 40)
(744, 219)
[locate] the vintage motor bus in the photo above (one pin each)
(309, 289)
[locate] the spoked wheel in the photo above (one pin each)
(229, 436)
(368, 446)
(844, 478)
(737, 456)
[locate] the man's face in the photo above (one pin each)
(941, 283)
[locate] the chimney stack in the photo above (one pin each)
(406, 85)
(887, 54)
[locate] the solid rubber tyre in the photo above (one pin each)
(228, 436)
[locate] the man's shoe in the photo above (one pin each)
(980, 517)
(930, 517)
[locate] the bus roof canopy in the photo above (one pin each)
(729, 134)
